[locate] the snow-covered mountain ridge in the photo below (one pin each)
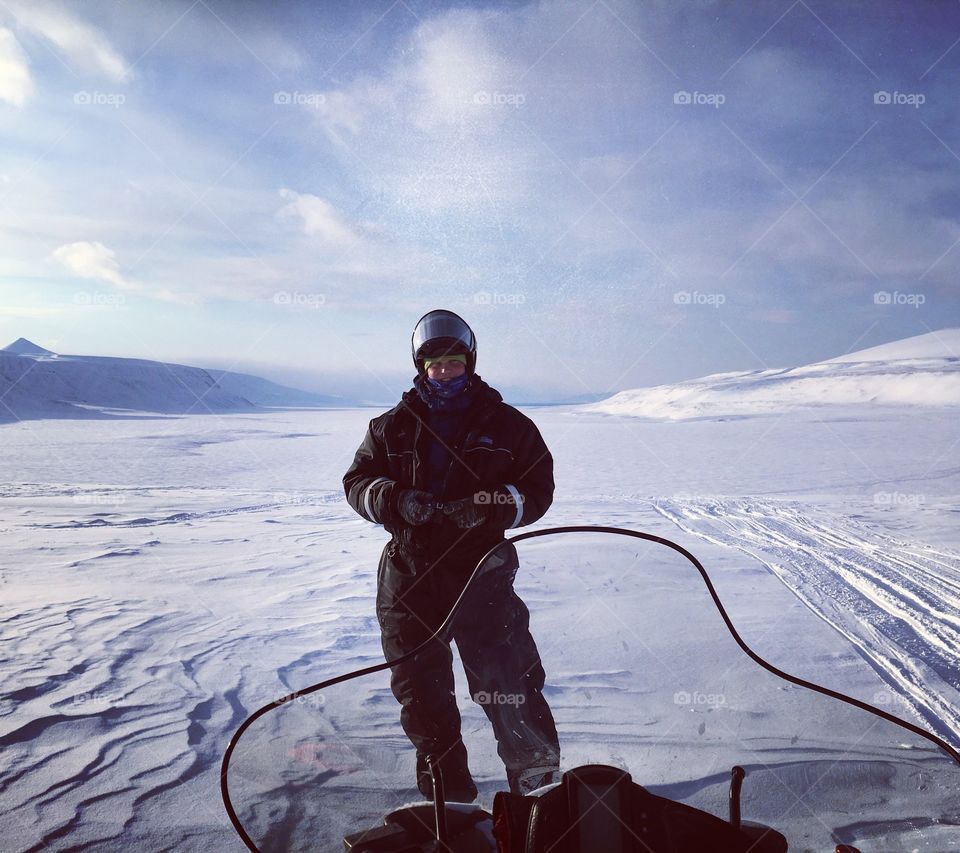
(37, 383)
(922, 370)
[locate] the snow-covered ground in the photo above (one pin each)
(162, 578)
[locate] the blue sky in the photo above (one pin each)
(613, 194)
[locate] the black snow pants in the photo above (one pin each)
(503, 668)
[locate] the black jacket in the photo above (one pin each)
(499, 457)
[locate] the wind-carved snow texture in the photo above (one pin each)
(109, 698)
(897, 602)
(136, 639)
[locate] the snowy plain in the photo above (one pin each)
(161, 578)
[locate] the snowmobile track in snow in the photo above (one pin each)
(897, 602)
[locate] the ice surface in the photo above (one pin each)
(162, 578)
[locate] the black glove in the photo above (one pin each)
(466, 512)
(416, 507)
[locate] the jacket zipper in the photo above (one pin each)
(416, 442)
(464, 432)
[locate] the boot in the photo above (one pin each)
(458, 784)
(524, 780)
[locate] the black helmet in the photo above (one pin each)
(442, 332)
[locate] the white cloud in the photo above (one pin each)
(446, 80)
(82, 43)
(345, 110)
(15, 81)
(441, 121)
(92, 260)
(96, 261)
(459, 73)
(319, 219)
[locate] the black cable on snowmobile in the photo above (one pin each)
(448, 622)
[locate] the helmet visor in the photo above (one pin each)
(446, 330)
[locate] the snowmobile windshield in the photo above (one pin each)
(640, 672)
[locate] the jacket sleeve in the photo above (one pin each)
(368, 488)
(528, 492)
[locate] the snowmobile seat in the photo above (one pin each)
(597, 807)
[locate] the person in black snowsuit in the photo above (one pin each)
(446, 472)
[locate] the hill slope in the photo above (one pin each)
(36, 383)
(922, 370)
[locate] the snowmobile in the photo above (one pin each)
(673, 729)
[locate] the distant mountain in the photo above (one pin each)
(37, 383)
(21, 346)
(918, 371)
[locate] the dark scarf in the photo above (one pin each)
(454, 395)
